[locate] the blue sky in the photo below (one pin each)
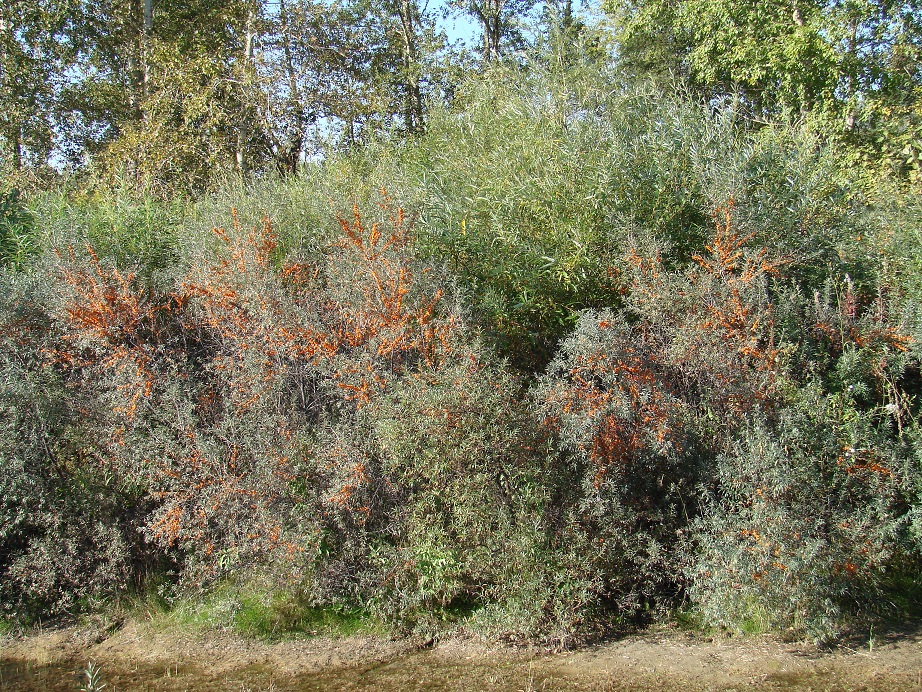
(456, 25)
(461, 26)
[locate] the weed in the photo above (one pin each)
(94, 679)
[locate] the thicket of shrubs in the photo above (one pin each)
(594, 355)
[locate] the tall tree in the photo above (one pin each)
(795, 55)
(854, 64)
(498, 20)
(171, 91)
(416, 62)
(408, 27)
(317, 72)
(567, 38)
(36, 50)
(167, 84)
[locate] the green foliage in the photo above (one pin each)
(94, 678)
(135, 230)
(455, 450)
(806, 508)
(17, 243)
(186, 139)
(852, 66)
(500, 23)
(809, 520)
(533, 186)
(36, 49)
(286, 615)
(259, 606)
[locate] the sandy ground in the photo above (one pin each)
(140, 657)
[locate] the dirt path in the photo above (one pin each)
(139, 657)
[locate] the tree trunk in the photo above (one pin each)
(148, 31)
(289, 151)
(16, 148)
(493, 28)
(409, 24)
(136, 58)
(850, 117)
(489, 14)
(13, 131)
(243, 129)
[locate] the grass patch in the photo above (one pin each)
(279, 616)
(257, 611)
(690, 619)
(755, 622)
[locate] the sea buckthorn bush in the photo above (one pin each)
(621, 429)
(809, 521)
(223, 387)
(330, 415)
(628, 353)
(68, 523)
(756, 463)
(809, 517)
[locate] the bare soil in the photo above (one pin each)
(138, 656)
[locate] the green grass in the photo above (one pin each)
(756, 621)
(257, 611)
(690, 619)
(751, 619)
(282, 616)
